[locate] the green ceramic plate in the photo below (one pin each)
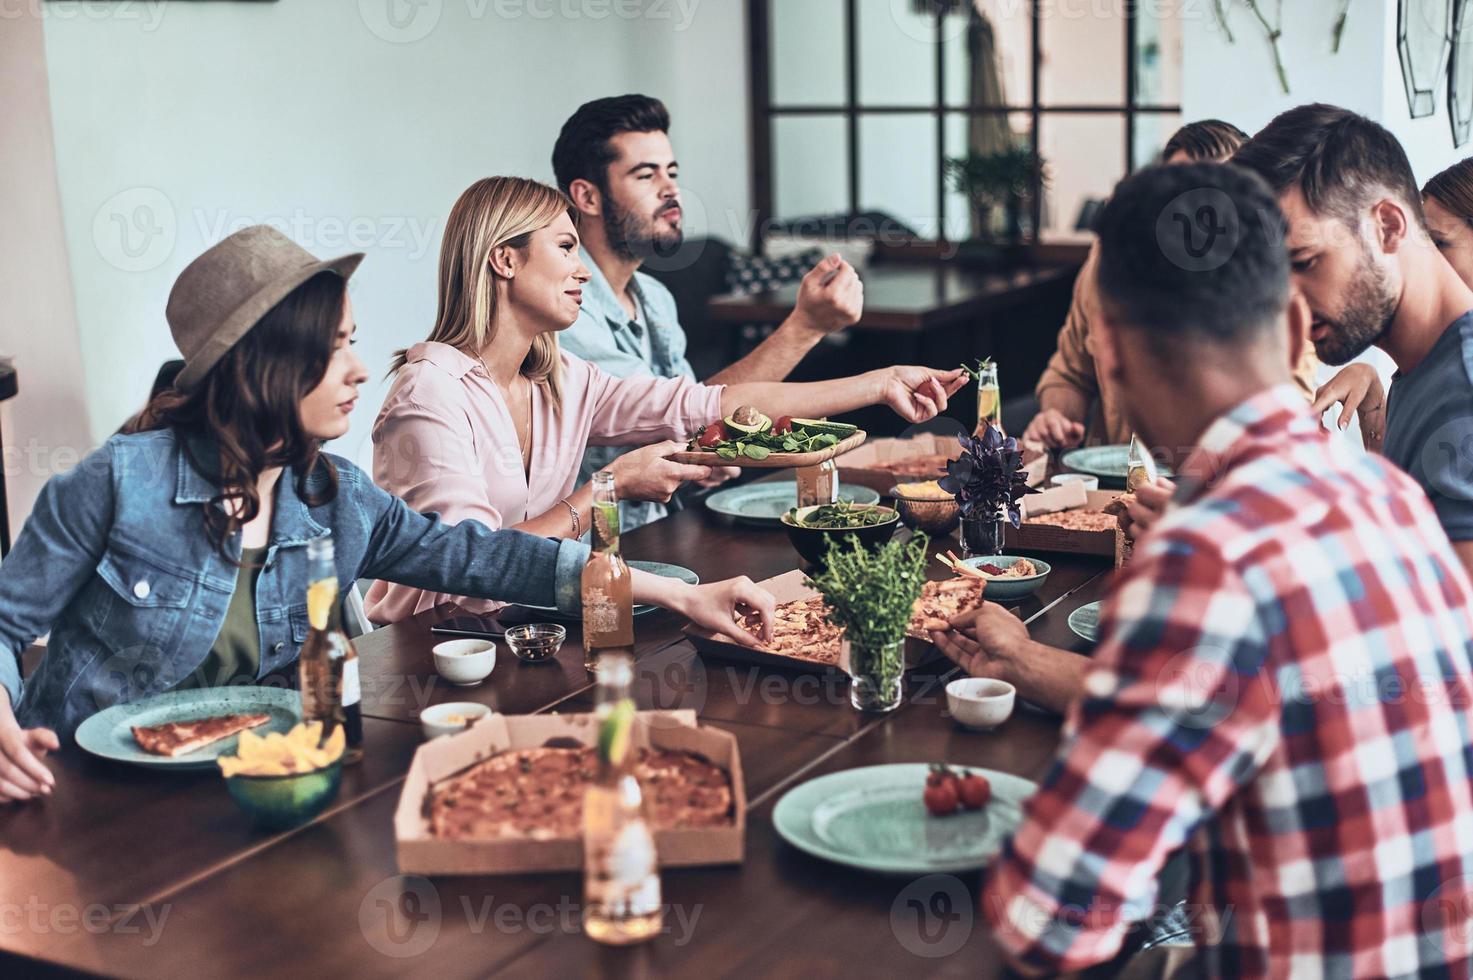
(109, 733)
(663, 569)
(873, 819)
(1085, 622)
(1109, 463)
(766, 503)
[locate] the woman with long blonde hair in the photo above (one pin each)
(488, 419)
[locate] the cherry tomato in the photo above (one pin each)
(783, 424)
(975, 791)
(940, 798)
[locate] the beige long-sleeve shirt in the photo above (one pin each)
(1073, 364)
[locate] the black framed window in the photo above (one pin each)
(857, 104)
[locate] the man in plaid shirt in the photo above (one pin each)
(1284, 680)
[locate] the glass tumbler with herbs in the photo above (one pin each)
(988, 481)
(872, 594)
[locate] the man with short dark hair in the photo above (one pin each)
(1284, 674)
(614, 159)
(1362, 258)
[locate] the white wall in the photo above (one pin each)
(180, 122)
(45, 426)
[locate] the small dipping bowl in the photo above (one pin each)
(451, 718)
(1090, 482)
(465, 662)
(980, 703)
(536, 643)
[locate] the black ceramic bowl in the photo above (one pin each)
(813, 542)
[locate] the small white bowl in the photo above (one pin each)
(1090, 482)
(980, 703)
(451, 718)
(465, 662)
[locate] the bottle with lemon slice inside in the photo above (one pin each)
(328, 664)
(621, 872)
(608, 591)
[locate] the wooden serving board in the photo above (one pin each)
(776, 461)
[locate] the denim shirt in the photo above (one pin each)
(604, 335)
(115, 562)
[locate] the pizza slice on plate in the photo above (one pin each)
(176, 738)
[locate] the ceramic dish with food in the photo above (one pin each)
(812, 528)
(1010, 576)
(451, 718)
(465, 662)
(927, 508)
(980, 703)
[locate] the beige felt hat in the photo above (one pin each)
(225, 292)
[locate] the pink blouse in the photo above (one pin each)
(445, 442)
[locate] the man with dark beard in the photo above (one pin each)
(613, 158)
(1362, 258)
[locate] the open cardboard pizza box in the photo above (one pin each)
(420, 852)
(1049, 537)
(785, 588)
(882, 463)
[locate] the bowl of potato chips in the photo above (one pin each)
(926, 507)
(282, 781)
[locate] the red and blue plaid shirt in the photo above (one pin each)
(1283, 687)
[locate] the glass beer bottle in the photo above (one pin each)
(989, 397)
(621, 871)
(608, 595)
(1140, 466)
(328, 664)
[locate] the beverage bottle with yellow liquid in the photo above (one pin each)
(621, 871)
(1140, 466)
(989, 397)
(608, 594)
(328, 664)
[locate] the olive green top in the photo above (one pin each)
(236, 656)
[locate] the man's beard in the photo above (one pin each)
(633, 236)
(1369, 309)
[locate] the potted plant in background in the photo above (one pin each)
(871, 594)
(988, 481)
(1004, 180)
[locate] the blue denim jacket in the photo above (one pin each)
(115, 562)
(603, 335)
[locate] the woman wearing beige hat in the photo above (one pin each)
(176, 554)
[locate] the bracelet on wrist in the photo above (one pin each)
(573, 513)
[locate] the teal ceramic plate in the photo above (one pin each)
(1011, 589)
(873, 819)
(663, 569)
(109, 733)
(1109, 463)
(766, 503)
(1085, 622)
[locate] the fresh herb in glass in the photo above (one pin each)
(872, 595)
(987, 481)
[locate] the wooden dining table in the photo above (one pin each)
(134, 872)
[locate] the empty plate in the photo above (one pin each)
(1085, 622)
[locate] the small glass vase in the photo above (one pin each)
(877, 691)
(983, 535)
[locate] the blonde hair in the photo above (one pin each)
(492, 212)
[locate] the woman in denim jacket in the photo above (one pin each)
(132, 560)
